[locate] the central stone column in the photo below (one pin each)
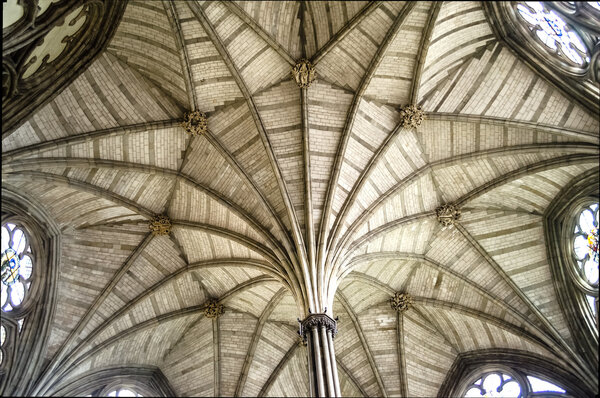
(318, 331)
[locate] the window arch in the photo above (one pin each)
(558, 33)
(558, 37)
(576, 290)
(18, 262)
(119, 381)
(509, 382)
(584, 252)
(30, 246)
(480, 373)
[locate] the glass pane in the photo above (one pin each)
(586, 221)
(5, 239)
(112, 394)
(4, 294)
(2, 334)
(10, 267)
(26, 267)
(538, 385)
(492, 382)
(20, 323)
(581, 247)
(19, 241)
(473, 392)
(126, 393)
(591, 271)
(17, 293)
(552, 30)
(510, 389)
(526, 14)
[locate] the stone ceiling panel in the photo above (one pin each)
(146, 40)
(428, 356)
(107, 95)
(453, 43)
(392, 81)
(213, 84)
(189, 362)
(346, 63)
(280, 20)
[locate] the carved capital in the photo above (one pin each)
(160, 225)
(447, 214)
(194, 123)
(411, 116)
(401, 301)
(303, 73)
(317, 320)
(213, 309)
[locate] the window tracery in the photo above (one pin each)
(558, 36)
(17, 274)
(510, 383)
(17, 266)
(585, 252)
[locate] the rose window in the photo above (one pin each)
(17, 266)
(554, 32)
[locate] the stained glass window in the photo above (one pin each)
(554, 32)
(17, 266)
(502, 384)
(585, 248)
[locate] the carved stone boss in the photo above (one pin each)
(411, 116)
(304, 73)
(213, 309)
(447, 215)
(194, 123)
(401, 301)
(160, 225)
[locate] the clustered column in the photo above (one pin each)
(318, 331)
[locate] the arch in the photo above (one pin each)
(147, 380)
(557, 231)
(27, 353)
(468, 363)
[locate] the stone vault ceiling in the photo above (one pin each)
(301, 198)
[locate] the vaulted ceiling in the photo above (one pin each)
(282, 170)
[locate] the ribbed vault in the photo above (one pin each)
(297, 200)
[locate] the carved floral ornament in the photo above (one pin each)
(447, 215)
(194, 123)
(304, 73)
(160, 225)
(401, 301)
(317, 320)
(411, 116)
(213, 309)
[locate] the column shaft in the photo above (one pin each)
(336, 380)
(327, 357)
(318, 362)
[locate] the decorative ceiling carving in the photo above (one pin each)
(296, 200)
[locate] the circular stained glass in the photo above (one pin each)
(17, 266)
(585, 244)
(554, 32)
(10, 267)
